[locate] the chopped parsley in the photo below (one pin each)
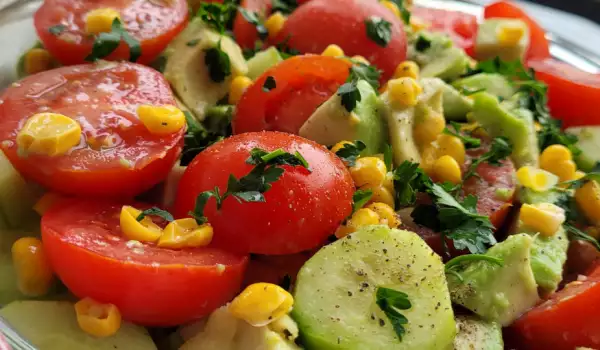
(379, 30)
(456, 264)
(107, 43)
(360, 198)
(388, 154)
(404, 12)
(409, 180)
(57, 29)
(391, 302)
(269, 84)
(423, 43)
(284, 6)
(468, 141)
(154, 211)
(350, 152)
(198, 137)
(253, 18)
(217, 16)
(193, 43)
(499, 150)
(580, 235)
(348, 92)
(218, 63)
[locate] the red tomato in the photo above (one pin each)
(566, 85)
(568, 319)
(274, 268)
(245, 32)
(460, 26)
(302, 84)
(153, 23)
(538, 44)
(117, 155)
(319, 23)
(301, 209)
(151, 286)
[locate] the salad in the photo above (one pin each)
(310, 174)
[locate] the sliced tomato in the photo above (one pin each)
(153, 23)
(245, 33)
(538, 44)
(568, 319)
(300, 210)
(460, 26)
(319, 23)
(572, 93)
(149, 285)
(302, 84)
(117, 155)
(275, 268)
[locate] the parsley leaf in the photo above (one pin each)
(468, 141)
(154, 211)
(216, 15)
(350, 95)
(349, 92)
(500, 149)
(57, 29)
(350, 152)
(388, 154)
(284, 6)
(409, 179)
(106, 43)
(198, 137)
(362, 71)
(580, 235)
(360, 198)
(423, 43)
(594, 176)
(454, 265)
(391, 302)
(218, 63)
(379, 30)
(404, 12)
(269, 84)
(253, 18)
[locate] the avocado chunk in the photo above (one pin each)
(477, 334)
(492, 83)
(187, 71)
(262, 61)
(223, 331)
(498, 293)
(400, 121)
(455, 105)
(529, 196)
(332, 123)
(589, 143)
(449, 64)
(52, 325)
(335, 293)
(489, 43)
(503, 119)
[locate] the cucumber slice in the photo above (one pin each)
(335, 305)
(16, 197)
(262, 61)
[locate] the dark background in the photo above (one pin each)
(586, 8)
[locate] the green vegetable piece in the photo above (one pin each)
(589, 143)
(262, 61)
(360, 198)
(488, 45)
(492, 83)
(455, 105)
(379, 30)
(448, 64)
(477, 334)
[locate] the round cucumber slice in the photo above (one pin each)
(335, 295)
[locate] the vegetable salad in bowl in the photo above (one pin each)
(297, 174)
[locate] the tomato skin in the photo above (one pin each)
(300, 211)
(103, 100)
(153, 25)
(302, 84)
(245, 32)
(565, 85)
(151, 286)
(319, 23)
(538, 44)
(460, 26)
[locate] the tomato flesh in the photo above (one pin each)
(150, 286)
(460, 26)
(117, 155)
(153, 23)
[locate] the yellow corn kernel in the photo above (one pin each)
(37, 60)
(368, 170)
(338, 146)
(579, 175)
(510, 35)
(261, 303)
(144, 231)
(445, 169)
(100, 20)
(392, 7)
(238, 86)
(361, 59)
(387, 215)
(407, 69)
(537, 126)
(544, 218)
(554, 154)
(417, 24)
(50, 134)
(34, 274)
(451, 146)
(588, 200)
(185, 233)
(536, 179)
(380, 194)
(388, 182)
(333, 51)
(161, 120)
(47, 201)
(96, 319)
(428, 127)
(429, 154)
(404, 92)
(565, 170)
(274, 24)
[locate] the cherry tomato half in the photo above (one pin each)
(149, 285)
(153, 23)
(117, 155)
(460, 26)
(300, 210)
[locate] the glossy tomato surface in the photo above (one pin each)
(117, 155)
(460, 26)
(153, 23)
(150, 286)
(245, 32)
(319, 23)
(300, 211)
(302, 84)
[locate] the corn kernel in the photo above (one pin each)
(392, 7)
(96, 319)
(161, 120)
(143, 231)
(404, 92)
(185, 233)
(588, 200)
(407, 69)
(387, 216)
(261, 303)
(380, 194)
(338, 146)
(238, 86)
(445, 169)
(368, 170)
(417, 24)
(510, 35)
(46, 202)
(428, 127)
(100, 20)
(579, 175)
(553, 154)
(429, 155)
(34, 274)
(565, 170)
(333, 51)
(451, 146)
(274, 24)
(536, 179)
(544, 218)
(37, 60)
(361, 59)
(51, 134)
(537, 126)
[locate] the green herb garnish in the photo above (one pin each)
(379, 30)
(391, 302)
(500, 149)
(217, 16)
(349, 92)
(107, 43)
(198, 137)
(284, 6)
(459, 262)
(578, 234)
(269, 84)
(423, 43)
(388, 154)
(154, 211)
(192, 43)
(350, 152)
(404, 12)
(253, 18)
(218, 63)
(409, 180)
(468, 141)
(360, 198)
(57, 29)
